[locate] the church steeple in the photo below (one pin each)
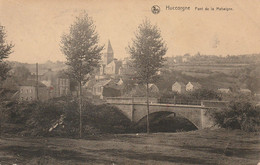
(109, 48)
(109, 54)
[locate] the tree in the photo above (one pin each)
(21, 73)
(80, 46)
(5, 51)
(205, 94)
(4, 69)
(147, 51)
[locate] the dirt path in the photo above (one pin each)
(196, 147)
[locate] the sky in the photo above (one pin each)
(35, 27)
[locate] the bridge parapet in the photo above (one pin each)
(131, 100)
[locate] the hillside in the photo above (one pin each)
(212, 72)
(43, 67)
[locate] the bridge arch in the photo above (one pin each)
(188, 117)
(164, 122)
(193, 114)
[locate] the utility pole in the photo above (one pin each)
(37, 84)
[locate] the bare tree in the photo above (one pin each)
(147, 51)
(81, 48)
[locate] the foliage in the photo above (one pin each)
(147, 51)
(140, 91)
(21, 73)
(10, 84)
(250, 76)
(191, 97)
(5, 51)
(66, 74)
(240, 114)
(36, 118)
(205, 94)
(5, 48)
(80, 46)
(167, 78)
(4, 70)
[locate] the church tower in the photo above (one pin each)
(109, 55)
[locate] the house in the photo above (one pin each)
(178, 87)
(49, 76)
(98, 88)
(153, 88)
(113, 67)
(114, 88)
(108, 88)
(62, 87)
(127, 67)
(245, 91)
(224, 90)
(120, 82)
(177, 59)
(191, 86)
(28, 91)
(186, 58)
(57, 85)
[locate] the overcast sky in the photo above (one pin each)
(35, 27)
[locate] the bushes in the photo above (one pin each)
(106, 118)
(60, 117)
(239, 114)
(191, 97)
(205, 94)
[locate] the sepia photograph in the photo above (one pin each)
(129, 82)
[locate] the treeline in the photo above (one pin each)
(213, 59)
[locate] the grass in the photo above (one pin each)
(196, 147)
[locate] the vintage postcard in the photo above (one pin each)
(129, 82)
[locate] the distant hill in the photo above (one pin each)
(212, 72)
(43, 67)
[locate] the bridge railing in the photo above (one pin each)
(214, 103)
(130, 100)
(179, 101)
(136, 100)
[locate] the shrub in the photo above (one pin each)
(205, 94)
(239, 114)
(60, 117)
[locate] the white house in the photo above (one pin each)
(245, 91)
(153, 88)
(224, 90)
(191, 86)
(178, 87)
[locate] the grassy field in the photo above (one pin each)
(196, 147)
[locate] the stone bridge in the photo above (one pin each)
(135, 109)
